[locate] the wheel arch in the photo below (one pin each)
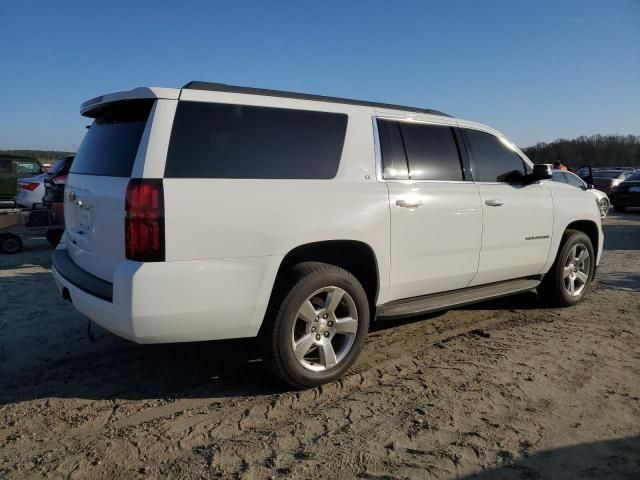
(590, 228)
(355, 256)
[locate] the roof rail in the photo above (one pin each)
(223, 87)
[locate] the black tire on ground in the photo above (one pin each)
(282, 314)
(10, 243)
(54, 235)
(619, 208)
(553, 287)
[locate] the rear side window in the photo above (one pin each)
(6, 166)
(394, 160)
(211, 140)
(432, 152)
(493, 160)
(110, 146)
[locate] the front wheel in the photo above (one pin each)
(316, 324)
(568, 279)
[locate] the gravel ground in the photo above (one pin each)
(504, 389)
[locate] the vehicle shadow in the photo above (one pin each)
(45, 352)
(611, 459)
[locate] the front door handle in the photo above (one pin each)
(494, 203)
(406, 204)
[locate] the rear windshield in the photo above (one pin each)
(110, 146)
(238, 141)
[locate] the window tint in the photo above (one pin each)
(493, 160)
(394, 160)
(574, 180)
(6, 166)
(431, 152)
(111, 144)
(238, 141)
(557, 176)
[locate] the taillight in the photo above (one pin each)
(31, 186)
(144, 220)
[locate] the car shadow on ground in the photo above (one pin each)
(611, 459)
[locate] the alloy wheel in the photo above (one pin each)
(577, 267)
(324, 329)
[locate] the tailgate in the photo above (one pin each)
(94, 200)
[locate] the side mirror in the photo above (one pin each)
(541, 171)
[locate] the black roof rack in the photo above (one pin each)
(223, 87)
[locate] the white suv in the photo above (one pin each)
(214, 212)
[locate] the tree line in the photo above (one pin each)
(42, 155)
(595, 150)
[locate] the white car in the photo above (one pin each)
(214, 212)
(31, 190)
(572, 179)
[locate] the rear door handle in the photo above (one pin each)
(494, 202)
(406, 204)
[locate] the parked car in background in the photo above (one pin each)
(31, 191)
(574, 180)
(215, 211)
(8, 179)
(626, 194)
(28, 167)
(605, 180)
(13, 167)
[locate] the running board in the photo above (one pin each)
(454, 298)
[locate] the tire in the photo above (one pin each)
(619, 208)
(53, 236)
(10, 243)
(297, 316)
(603, 205)
(566, 272)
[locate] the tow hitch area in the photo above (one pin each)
(65, 294)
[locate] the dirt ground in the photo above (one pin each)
(503, 389)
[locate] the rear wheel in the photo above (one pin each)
(568, 279)
(10, 243)
(316, 325)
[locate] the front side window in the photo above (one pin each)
(493, 160)
(211, 140)
(432, 152)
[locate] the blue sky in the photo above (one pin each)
(536, 71)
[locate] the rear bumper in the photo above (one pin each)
(177, 301)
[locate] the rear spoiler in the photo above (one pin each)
(137, 93)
